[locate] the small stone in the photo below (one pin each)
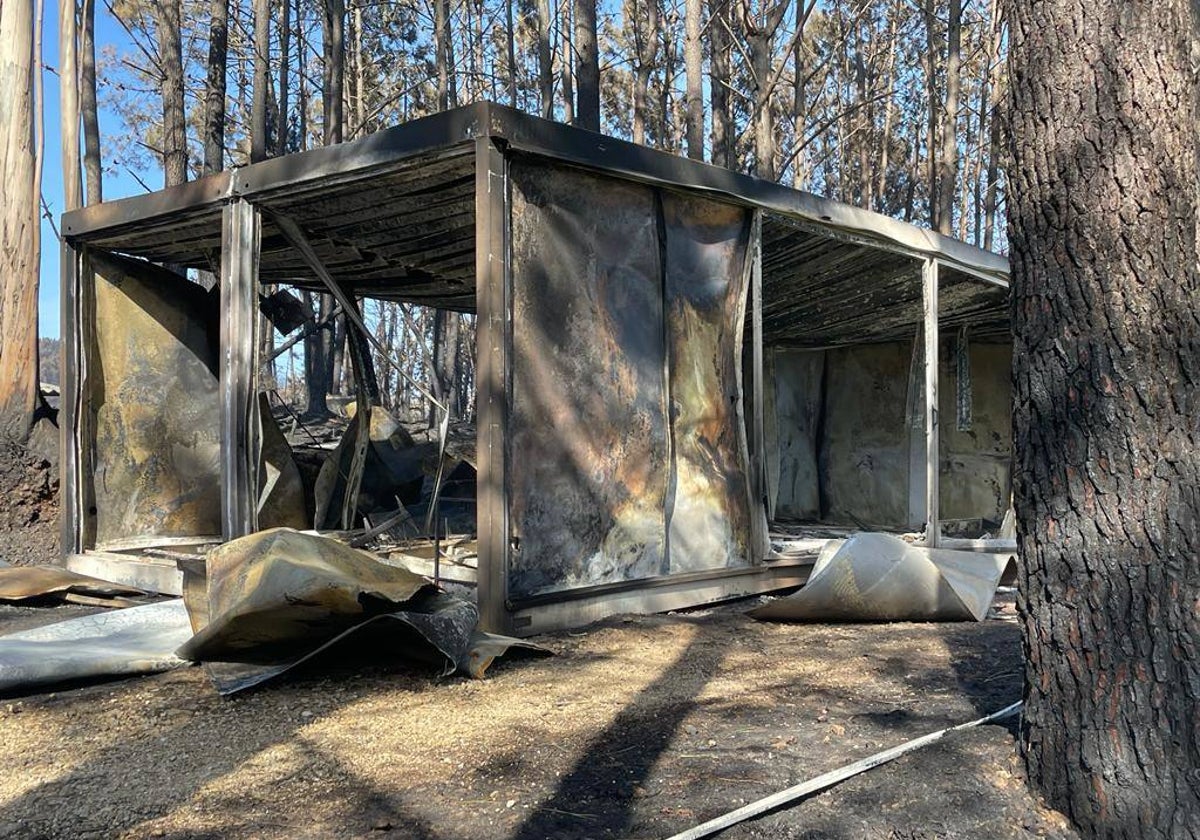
(306, 714)
(382, 825)
(510, 803)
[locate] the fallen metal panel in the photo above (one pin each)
(27, 583)
(274, 600)
(138, 640)
(588, 434)
(879, 577)
(154, 403)
(705, 283)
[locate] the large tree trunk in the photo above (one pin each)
(445, 356)
(693, 62)
(587, 71)
(1106, 378)
(87, 103)
(948, 157)
(214, 88)
(443, 41)
(645, 48)
(259, 142)
(567, 61)
(285, 50)
(68, 102)
(170, 56)
(545, 22)
(718, 76)
(18, 224)
(334, 39)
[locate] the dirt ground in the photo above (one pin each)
(638, 727)
(28, 507)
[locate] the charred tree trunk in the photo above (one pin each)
(334, 37)
(167, 15)
(259, 142)
(446, 93)
(445, 356)
(87, 103)
(947, 181)
(214, 87)
(1103, 110)
(718, 75)
(567, 61)
(587, 71)
(285, 49)
(68, 98)
(545, 21)
(693, 62)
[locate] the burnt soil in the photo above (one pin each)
(28, 507)
(639, 727)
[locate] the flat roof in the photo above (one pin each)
(393, 214)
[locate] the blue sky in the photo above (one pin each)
(116, 184)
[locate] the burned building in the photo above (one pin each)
(686, 378)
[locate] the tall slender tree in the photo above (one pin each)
(93, 171)
(587, 72)
(19, 241)
(167, 15)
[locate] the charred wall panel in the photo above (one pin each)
(588, 434)
(863, 455)
(154, 402)
(976, 462)
(797, 385)
(708, 509)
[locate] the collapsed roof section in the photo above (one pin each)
(393, 216)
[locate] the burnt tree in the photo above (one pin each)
(1106, 373)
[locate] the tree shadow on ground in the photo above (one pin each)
(598, 795)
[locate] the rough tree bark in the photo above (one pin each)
(87, 103)
(718, 78)
(587, 69)
(18, 224)
(68, 102)
(693, 62)
(259, 142)
(947, 179)
(214, 87)
(645, 51)
(167, 15)
(334, 44)
(285, 62)
(1103, 109)
(545, 21)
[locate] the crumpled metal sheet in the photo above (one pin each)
(27, 583)
(879, 577)
(117, 643)
(276, 599)
(394, 467)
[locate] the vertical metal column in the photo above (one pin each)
(758, 477)
(492, 340)
(929, 283)
(240, 435)
(72, 364)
